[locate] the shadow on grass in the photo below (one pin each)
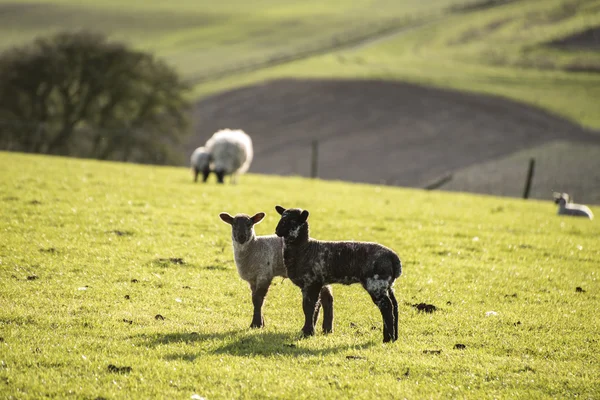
(245, 343)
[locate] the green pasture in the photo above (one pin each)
(201, 37)
(500, 49)
(105, 266)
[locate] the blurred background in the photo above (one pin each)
(443, 95)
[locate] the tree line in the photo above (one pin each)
(79, 94)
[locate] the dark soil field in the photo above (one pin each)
(393, 133)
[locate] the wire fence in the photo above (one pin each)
(558, 166)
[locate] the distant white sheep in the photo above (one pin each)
(200, 162)
(231, 153)
(567, 208)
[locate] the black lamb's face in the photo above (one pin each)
(242, 225)
(291, 221)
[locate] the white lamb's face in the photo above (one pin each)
(242, 228)
(242, 225)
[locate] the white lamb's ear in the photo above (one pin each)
(256, 218)
(228, 219)
(280, 210)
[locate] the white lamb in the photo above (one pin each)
(231, 153)
(567, 208)
(200, 162)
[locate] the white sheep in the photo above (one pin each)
(200, 162)
(565, 207)
(259, 259)
(231, 153)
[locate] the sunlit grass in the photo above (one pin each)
(85, 251)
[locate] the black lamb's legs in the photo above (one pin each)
(310, 297)
(384, 302)
(326, 298)
(395, 305)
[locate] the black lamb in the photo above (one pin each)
(311, 264)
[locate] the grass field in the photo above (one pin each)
(202, 37)
(85, 266)
(501, 49)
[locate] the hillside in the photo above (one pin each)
(504, 48)
(399, 92)
(201, 38)
(405, 135)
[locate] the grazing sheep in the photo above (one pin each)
(567, 208)
(311, 263)
(200, 162)
(231, 152)
(259, 259)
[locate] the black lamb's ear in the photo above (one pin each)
(280, 210)
(304, 216)
(228, 219)
(256, 218)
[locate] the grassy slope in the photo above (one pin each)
(465, 254)
(200, 37)
(498, 51)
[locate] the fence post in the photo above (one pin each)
(529, 178)
(314, 165)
